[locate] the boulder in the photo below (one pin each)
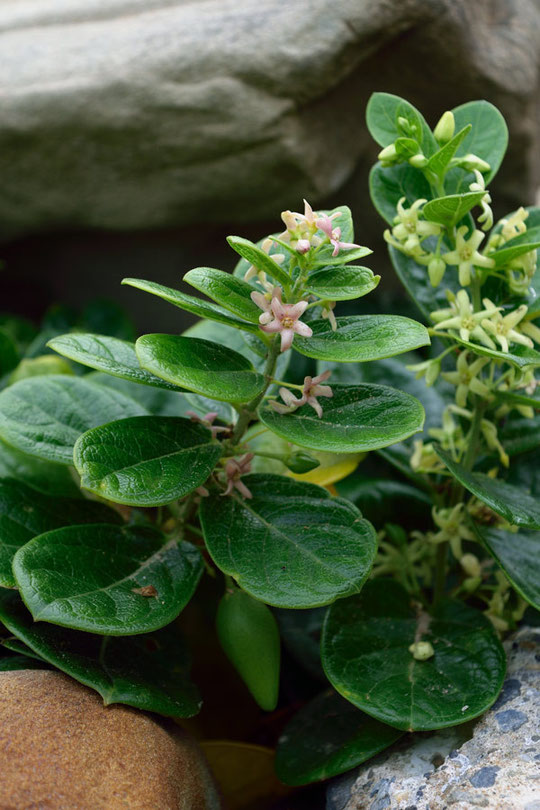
(61, 748)
(136, 114)
(491, 763)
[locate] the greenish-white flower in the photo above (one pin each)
(466, 379)
(502, 326)
(460, 316)
(466, 255)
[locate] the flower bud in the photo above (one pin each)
(471, 565)
(436, 269)
(472, 162)
(444, 131)
(418, 161)
(422, 650)
(301, 462)
(432, 372)
(388, 155)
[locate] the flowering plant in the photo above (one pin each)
(195, 455)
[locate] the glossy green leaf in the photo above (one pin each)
(327, 737)
(203, 309)
(520, 435)
(451, 209)
(44, 416)
(324, 257)
(25, 513)
(17, 646)
(357, 418)
(342, 283)
(440, 160)
(113, 356)
(45, 476)
(365, 653)
(519, 398)
(259, 259)
(519, 356)
(359, 338)
(147, 460)
(382, 113)
(487, 140)
(158, 401)
(513, 504)
(225, 289)
(148, 671)
(201, 366)
(292, 544)
(388, 186)
(107, 579)
(518, 554)
(508, 253)
(10, 663)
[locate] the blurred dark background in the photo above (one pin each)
(136, 136)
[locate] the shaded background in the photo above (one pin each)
(135, 135)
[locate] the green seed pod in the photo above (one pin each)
(301, 462)
(249, 636)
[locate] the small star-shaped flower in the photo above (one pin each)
(466, 255)
(286, 321)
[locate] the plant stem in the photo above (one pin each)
(248, 412)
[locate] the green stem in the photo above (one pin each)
(249, 411)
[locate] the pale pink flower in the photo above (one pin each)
(329, 314)
(286, 321)
(291, 402)
(233, 471)
(208, 421)
(264, 302)
(334, 234)
(311, 389)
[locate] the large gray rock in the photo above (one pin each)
(130, 114)
(492, 764)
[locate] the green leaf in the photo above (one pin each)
(488, 140)
(225, 289)
(326, 737)
(507, 253)
(148, 672)
(356, 419)
(440, 160)
(519, 356)
(324, 257)
(382, 113)
(519, 398)
(520, 435)
(203, 309)
(365, 653)
(518, 554)
(379, 499)
(259, 259)
(359, 338)
(388, 186)
(342, 283)
(13, 662)
(451, 209)
(24, 513)
(113, 356)
(45, 476)
(146, 460)
(9, 355)
(300, 631)
(158, 401)
(44, 416)
(512, 503)
(291, 545)
(201, 366)
(114, 580)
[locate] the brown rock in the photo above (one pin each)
(62, 749)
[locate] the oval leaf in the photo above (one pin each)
(342, 283)
(25, 513)
(203, 309)
(512, 503)
(259, 259)
(451, 209)
(519, 557)
(291, 545)
(114, 580)
(44, 416)
(359, 338)
(357, 418)
(488, 140)
(201, 366)
(382, 113)
(45, 476)
(328, 736)
(365, 653)
(148, 672)
(520, 356)
(388, 186)
(231, 292)
(147, 460)
(114, 356)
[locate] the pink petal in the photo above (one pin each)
(275, 326)
(320, 377)
(336, 247)
(308, 211)
(277, 406)
(296, 310)
(242, 489)
(322, 391)
(277, 308)
(266, 317)
(288, 397)
(303, 245)
(260, 300)
(302, 329)
(325, 225)
(287, 336)
(315, 405)
(229, 489)
(348, 245)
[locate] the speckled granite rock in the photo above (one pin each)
(136, 114)
(497, 768)
(62, 749)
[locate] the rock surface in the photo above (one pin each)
(497, 768)
(135, 114)
(61, 748)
